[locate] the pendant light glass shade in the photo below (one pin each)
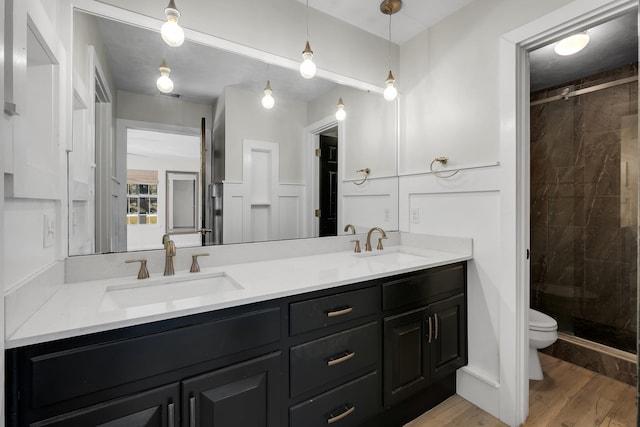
(171, 32)
(307, 68)
(390, 92)
(340, 113)
(267, 100)
(164, 82)
(572, 44)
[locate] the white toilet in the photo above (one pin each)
(543, 331)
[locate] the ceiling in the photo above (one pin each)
(612, 44)
(414, 17)
(146, 143)
(200, 73)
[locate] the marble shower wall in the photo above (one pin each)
(584, 209)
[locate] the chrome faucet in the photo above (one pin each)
(367, 246)
(170, 252)
(350, 226)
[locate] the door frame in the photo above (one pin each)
(122, 125)
(311, 224)
(514, 158)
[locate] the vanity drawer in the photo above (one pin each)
(64, 375)
(348, 405)
(419, 289)
(321, 312)
(333, 357)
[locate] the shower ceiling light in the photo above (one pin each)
(340, 113)
(171, 32)
(572, 44)
(267, 100)
(389, 7)
(164, 82)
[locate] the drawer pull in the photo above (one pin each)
(348, 411)
(192, 411)
(340, 312)
(171, 409)
(339, 360)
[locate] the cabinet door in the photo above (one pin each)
(449, 344)
(246, 394)
(153, 408)
(406, 364)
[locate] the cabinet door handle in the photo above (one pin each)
(430, 329)
(339, 360)
(347, 412)
(435, 317)
(192, 411)
(171, 413)
(339, 312)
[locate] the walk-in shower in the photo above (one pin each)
(584, 193)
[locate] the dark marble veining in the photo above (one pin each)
(584, 206)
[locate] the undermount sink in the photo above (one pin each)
(175, 292)
(392, 256)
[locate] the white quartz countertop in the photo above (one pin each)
(92, 306)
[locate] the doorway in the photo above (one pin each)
(163, 191)
(328, 183)
(514, 160)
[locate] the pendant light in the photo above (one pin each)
(171, 32)
(267, 101)
(307, 67)
(340, 113)
(389, 7)
(164, 82)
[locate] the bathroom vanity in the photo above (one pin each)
(378, 351)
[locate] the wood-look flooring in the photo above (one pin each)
(568, 396)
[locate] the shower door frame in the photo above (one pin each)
(514, 159)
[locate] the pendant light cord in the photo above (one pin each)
(307, 20)
(389, 41)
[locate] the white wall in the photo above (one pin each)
(370, 130)
(36, 188)
(85, 34)
(83, 157)
(162, 109)
(451, 107)
(450, 86)
(245, 118)
(4, 127)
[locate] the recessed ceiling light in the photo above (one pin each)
(572, 44)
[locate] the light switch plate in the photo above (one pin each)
(49, 229)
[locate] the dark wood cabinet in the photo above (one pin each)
(152, 408)
(246, 394)
(428, 343)
(374, 353)
(448, 348)
(406, 360)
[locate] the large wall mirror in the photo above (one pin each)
(254, 174)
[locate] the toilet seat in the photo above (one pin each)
(541, 322)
